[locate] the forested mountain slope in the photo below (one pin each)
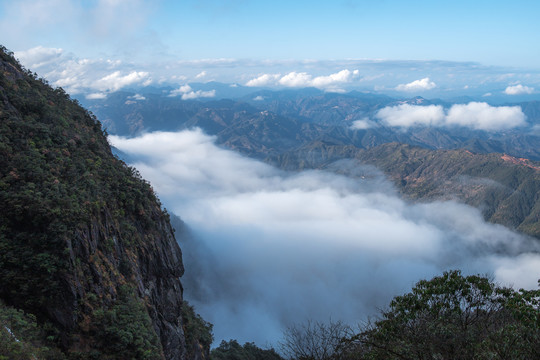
(84, 244)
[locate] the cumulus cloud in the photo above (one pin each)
(406, 115)
(264, 80)
(82, 75)
(96, 96)
(294, 79)
(279, 247)
(87, 76)
(363, 124)
(115, 81)
(341, 77)
(480, 115)
(518, 90)
(475, 115)
(187, 93)
(303, 79)
(417, 85)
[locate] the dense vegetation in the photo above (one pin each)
(448, 317)
(83, 239)
(21, 337)
(232, 350)
(198, 332)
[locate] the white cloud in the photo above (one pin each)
(517, 273)
(406, 115)
(39, 56)
(518, 90)
(262, 233)
(137, 97)
(263, 80)
(198, 94)
(187, 93)
(475, 115)
(480, 115)
(96, 96)
(88, 76)
(294, 79)
(200, 75)
(417, 85)
(82, 75)
(303, 79)
(363, 124)
(341, 77)
(258, 98)
(115, 81)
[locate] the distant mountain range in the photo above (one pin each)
(306, 128)
(313, 115)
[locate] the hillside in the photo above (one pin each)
(505, 188)
(85, 247)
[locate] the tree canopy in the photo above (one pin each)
(454, 317)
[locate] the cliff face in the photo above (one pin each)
(84, 244)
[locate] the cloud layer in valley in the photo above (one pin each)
(272, 248)
(474, 115)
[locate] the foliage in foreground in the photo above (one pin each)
(448, 317)
(232, 350)
(22, 338)
(198, 332)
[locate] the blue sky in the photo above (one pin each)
(240, 40)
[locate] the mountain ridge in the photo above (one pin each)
(85, 245)
(296, 132)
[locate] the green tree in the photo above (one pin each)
(197, 331)
(232, 350)
(454, 317)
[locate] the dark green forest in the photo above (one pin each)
(83, 238)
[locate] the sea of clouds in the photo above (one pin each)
(271, 248)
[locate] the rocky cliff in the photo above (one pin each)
(84, 244)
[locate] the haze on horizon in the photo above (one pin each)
(420, 47)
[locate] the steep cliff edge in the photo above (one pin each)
(84, 244)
